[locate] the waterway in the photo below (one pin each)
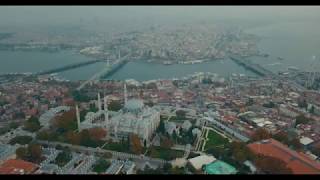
(146, 71)
(296, 42)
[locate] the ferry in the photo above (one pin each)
(273, 64)
(265, 55)
(293, 68)
(167, 62)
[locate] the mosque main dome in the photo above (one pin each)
(134, 105)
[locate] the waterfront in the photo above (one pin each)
(295, 47)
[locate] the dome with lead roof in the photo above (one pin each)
(134, 105)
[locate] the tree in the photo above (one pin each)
(269, 105)
(240, 152)
(13, 125)
(271, 165)
(174, 136)
(97, 134)
(301, 119)
(32, 153)
(83, 114)
(311, 109)
(66, 121)
(135, 144)
(85, 137)
(167, 167)
(177, 170)
(101, 166)
(249, 102)
(282, 137)
(161, 128)
(32, 124)
(295, 144)
(4, 130)
(149, 103)
(63, 158)
(260, 134)
(107, 155)
(73, 137)
(22, 153)
(22, 140)
(35, 152)
(48, 135)
(316, 150)
(207, 81)
(114, 106)
(303, 103)
(93, 108)
(181, 114)
(166, 143)
(19, 115)
(79, 96)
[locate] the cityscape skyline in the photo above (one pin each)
(159, 90)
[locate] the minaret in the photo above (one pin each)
(125, 94)
(106, 114)
(78, 118)
(105, 105)
(99, 102)
(116, 130)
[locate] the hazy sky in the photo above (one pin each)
(137, 15)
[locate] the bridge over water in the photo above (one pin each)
(68, 67)
(256, 68)
(107, 71)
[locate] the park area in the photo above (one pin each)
(215, 140)
(164, 153)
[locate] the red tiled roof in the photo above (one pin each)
(299, 163)
(15, 166)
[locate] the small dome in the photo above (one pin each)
(134, 105)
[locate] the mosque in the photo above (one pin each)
(134, 118)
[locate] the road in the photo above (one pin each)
(115, 154)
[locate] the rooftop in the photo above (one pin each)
(134, 105)
(220, 167)
(199, 161)
(306, 141)
(15, 166)
(299, 163)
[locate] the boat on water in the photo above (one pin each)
(293, 68)
(280, 58)
(273, 64)
(265, 55)
(167, 62)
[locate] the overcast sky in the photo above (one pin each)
(115, 15)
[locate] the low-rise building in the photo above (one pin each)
(219, 167)
(299, 163)
(15, 166)
(7, 152)
(199, 161)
